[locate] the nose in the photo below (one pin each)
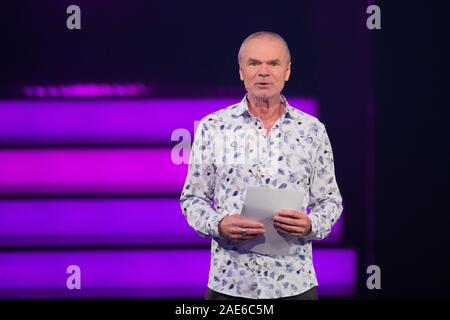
(263, 71)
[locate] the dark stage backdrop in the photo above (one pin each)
(412, 150)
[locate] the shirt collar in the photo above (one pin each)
(242, 108)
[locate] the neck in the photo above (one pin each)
(266, 109)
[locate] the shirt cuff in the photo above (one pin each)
(213, 226)
(312, 235)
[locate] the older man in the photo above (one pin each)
(295, 154)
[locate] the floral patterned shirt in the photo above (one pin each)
(231, 151)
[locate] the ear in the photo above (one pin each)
(288, 72)
(240, 73)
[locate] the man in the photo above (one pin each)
(295, 153)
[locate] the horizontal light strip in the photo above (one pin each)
(60, 222)
(109, 121)
(87, 90)
(95, 222)
(89, 171)
(153, 274)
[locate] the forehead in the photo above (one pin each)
(264, 48)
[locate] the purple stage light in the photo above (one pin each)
(87, 90)
(90, 171)
(142, 273)
(95, 222)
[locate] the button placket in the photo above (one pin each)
(265, 141)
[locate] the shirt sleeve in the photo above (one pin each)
(325, 200)
(198, 191)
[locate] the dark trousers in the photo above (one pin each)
(311, 294)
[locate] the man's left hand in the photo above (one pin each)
(293, 222)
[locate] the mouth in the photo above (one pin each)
(263, 84)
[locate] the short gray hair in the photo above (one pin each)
(264, 34)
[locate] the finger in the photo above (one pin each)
(247, 223)
(288, 211)
(241, 237)
(248, 237)
(290, 221)
(248, 231)
(289, 228)
(294, 234)
(291, 213)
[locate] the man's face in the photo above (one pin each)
(264, 67)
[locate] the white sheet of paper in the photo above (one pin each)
(261, 204)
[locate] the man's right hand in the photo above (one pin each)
(234, 227)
